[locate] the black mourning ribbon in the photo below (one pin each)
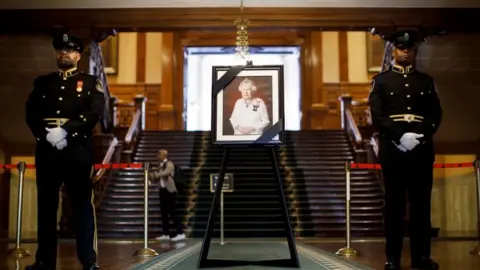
(224, 81)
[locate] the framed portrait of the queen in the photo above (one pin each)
(250, 105)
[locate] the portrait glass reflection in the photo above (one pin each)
(249, 105)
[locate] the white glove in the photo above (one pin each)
(401, 148)
(55, 135)
(409, 140)
(61, 144)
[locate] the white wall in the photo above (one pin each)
(199, 86)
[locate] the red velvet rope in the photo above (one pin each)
(96, 166)
(365, 166)
(353, 165)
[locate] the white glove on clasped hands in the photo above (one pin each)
(409, 140)
(401, 148)
(61, 144)
(55, 135)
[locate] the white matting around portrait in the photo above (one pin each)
(275, 105)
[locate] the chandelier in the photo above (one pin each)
(241, 43)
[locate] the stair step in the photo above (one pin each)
(312, 170)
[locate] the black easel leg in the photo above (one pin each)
(294, 261)
(202, 261)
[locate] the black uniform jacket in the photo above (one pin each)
(404, 100)
(72, 100)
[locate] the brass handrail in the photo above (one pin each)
(133, 126)
(106, 160)
(101, 179)
(361, 102)
(366, 149)
(353, 127)
(374, 143)
(123, 103)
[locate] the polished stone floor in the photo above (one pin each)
(111, 256)
(452, 255)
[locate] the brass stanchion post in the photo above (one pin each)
(18, 251)
(145, 252)
(347, 251)
(476, 250)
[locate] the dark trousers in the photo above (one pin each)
(167, 208)
(413, 179)
(71, 166)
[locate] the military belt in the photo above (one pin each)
(406, 118)
(56, 121)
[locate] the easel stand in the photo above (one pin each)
(204, 262)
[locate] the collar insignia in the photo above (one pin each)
(402, 70)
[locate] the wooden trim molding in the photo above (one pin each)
(172, 19)
(343, 55)
(165, 98)
(141, 56)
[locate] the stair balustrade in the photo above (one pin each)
(356, 122)
(135, 122)
(101, 177)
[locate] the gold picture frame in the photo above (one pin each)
(110, 55)
(375, 52)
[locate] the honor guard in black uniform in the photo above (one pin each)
(62, 111)
(406, 111)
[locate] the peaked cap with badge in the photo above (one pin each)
(67, 42)
(404, 39)
(407, 38)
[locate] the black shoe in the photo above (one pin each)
(392, 264)
(38, 266)
(91, 266)
(424, 264)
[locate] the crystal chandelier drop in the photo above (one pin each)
(241, 23)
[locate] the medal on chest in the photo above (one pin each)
(255, 107)
(79, 86)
